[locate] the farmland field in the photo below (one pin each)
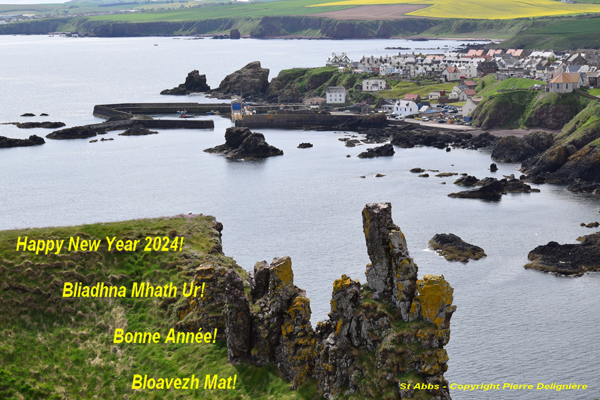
(481, 9)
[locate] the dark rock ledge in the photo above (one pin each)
(567, 259)
(241, 143)
(453, 248)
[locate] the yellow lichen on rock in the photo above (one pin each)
(435, 299)
(283, 270)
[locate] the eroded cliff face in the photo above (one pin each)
(381, 339)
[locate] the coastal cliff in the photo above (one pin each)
(385, 338)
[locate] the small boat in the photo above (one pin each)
(210, 113)
(185, 115)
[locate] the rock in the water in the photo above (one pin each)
(137, 130)
(466, 181)
(446, 174)
(33, 140)
(28, 115)
(30, 125)
(424, 176)
(591, 224)
(493, 167)
(250, 81)
(194, 83)
(381, 151)
(417, 170)
(491, 191)
(453, 248)
(76, 132)
(305, 145)
(567, 259)
(241, 143)
(44, 115)
(234, 34)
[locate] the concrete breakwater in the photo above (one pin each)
(154, 123)
(129, 109)
(294, 120)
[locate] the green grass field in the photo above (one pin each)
(55, 348)
(489, 85)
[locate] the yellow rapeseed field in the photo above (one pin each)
(482, 9)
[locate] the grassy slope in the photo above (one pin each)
(489, 85)
(404, 88)
(55, 348)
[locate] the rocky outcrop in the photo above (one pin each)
(33, 140)
(410, 135)
(76, 132)
(575, 155)
(567, 259)
(241, 143)
(491, 188)
(137, 130)
(453, 248)
(513, 149)
(251, 81)
(194, 83)
(234, 34)
(381, 151)
(31, 125)
(305, 145)
(378, 336)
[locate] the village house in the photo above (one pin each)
(470, 105)
(451, 74)
(565, 83)
(335, 94)
(486, 68)
(373, 85)
(593, 79)
(465, 94)
(339, 61)
(405, 108)
(413, 97)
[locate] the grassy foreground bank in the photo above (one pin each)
(55, 347)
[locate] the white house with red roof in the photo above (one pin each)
(451, 74)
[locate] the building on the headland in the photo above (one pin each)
(335, 94)
(565, 83)
(406, 107)
(373, 85)
(339, 61)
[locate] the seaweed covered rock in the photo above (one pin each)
(453, 248)
(44, 124)
(567, 259)
(381, 151)
(76, 132)
(137, 130)
(194, 83)
(33, 140)
(241, 143)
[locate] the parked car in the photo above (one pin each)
(442, 121)
(400, 118)
(425, 119)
